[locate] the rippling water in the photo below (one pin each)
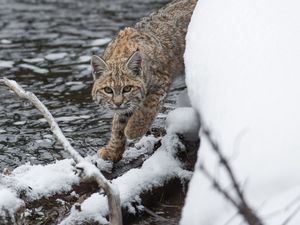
(46, 46)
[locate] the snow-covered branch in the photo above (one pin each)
(88, 168)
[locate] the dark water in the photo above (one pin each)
(45, 45)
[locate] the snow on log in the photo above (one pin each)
(242, 73)
(155, 172)
(29, 184)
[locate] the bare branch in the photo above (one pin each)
(224, 162)
(217, 185)
(89, 169)
(290, 217)
(243, 207)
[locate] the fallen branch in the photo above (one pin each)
(90, 170)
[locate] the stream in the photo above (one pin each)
(46, 45)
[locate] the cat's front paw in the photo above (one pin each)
(107, 154)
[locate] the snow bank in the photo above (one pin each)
(242, 66)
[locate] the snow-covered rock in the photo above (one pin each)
(243, 75)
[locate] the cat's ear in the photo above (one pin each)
(134, 63)
(98, 66)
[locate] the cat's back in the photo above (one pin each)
(169, 20)
(160, 37)
(168, 26)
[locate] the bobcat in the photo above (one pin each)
(136, 72)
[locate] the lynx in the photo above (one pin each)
(136, 71)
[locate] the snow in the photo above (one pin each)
(9, 203)
(56, 56)
(278, 209)
(242, 72)
(185, 121)
(37, 181)
(155, 171)
(103, 165)
(143, 148)
(42, 180)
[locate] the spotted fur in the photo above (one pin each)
(136, 71)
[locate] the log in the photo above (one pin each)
(54, 209)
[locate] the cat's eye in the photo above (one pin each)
(126, 89)
(108, 90)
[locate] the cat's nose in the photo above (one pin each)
(118, 100)
(118, 104)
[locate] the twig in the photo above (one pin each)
(290, 217)
(217, 185)
(153, 214)
(224, 162)
(90, 170)
(243, 207)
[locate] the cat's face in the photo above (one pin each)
(118, 87)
